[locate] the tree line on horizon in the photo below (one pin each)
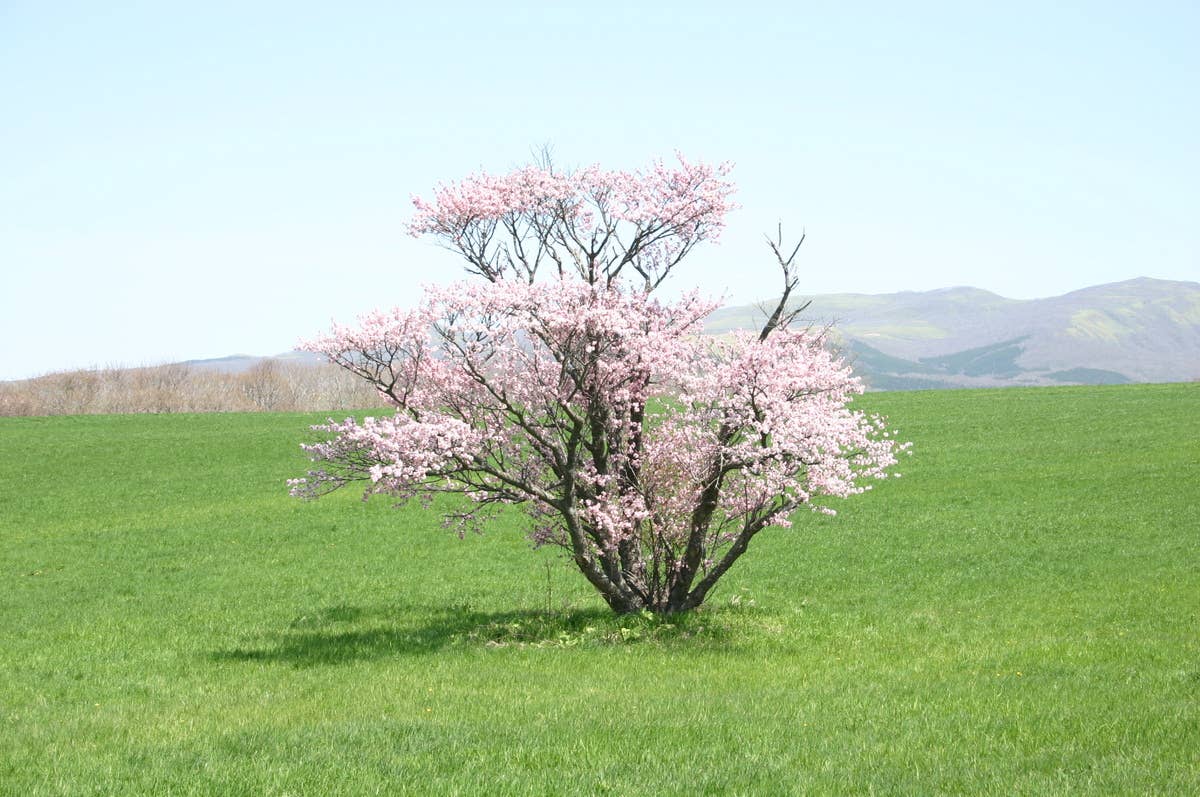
(268, 386)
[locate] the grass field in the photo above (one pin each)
(1019, 614)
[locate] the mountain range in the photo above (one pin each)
(1141, 330)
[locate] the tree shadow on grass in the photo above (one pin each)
(344, 634)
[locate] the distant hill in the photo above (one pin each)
(1141, 330)
(240, 363)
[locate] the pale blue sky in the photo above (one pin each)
(194, 180)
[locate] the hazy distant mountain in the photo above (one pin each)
(1142, 330)
(240, 363)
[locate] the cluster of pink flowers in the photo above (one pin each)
(593, 222)
(649, 451)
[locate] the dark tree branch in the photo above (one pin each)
(781, 316)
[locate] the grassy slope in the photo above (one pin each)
(1144, 330)
(1017, 614)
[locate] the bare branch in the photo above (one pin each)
(781, 316)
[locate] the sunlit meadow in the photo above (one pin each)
(1018, 614)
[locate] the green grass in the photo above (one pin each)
(1018, 614)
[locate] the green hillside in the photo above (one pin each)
(1016, 615)
(1141, 330)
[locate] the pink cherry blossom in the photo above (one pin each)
(649, 451)
(595, 223)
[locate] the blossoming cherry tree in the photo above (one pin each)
(556, 380)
